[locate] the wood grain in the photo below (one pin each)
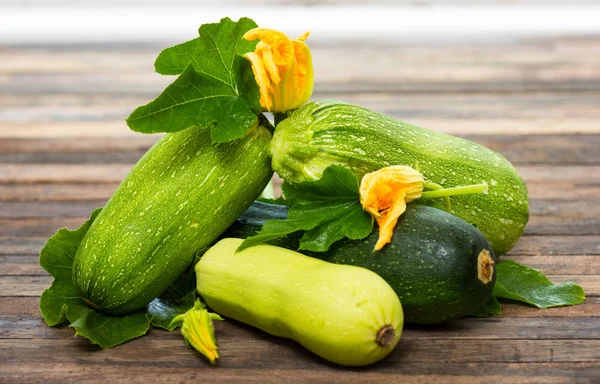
(519, 150)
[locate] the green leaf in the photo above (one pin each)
(336, 184)
(213, 53)
(521, 283)
(57, 259)
(56, 300)
(491, 308)
(196, 100)
(328, 210)
(61, 302)
(348, 220)
(174, 301)
(57, 255)
(215, 88)
(108, 331)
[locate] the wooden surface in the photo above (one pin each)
(64, 148)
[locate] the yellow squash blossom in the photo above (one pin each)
(384, 194)
(198, 330)
(282, 68)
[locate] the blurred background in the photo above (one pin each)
(79, 68)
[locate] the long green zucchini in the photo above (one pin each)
(177, 199)
(331, 132)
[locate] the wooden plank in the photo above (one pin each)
(531, 65)
(37, 228)
(107, 144)
(98, 173)
(547, 217)
(289, 354)
(556, 265)
(48, 209)
(21, 265)
(452, 113)
(458, 126)
(70, 173)
(35, 285)
(75, 158)
(17, 265)
(557, 245)
(65, 191)
(502, 373)
(520, 150)
(24, 285)
(527, 245)
(22, 246)
(494, 328)
(29, 306)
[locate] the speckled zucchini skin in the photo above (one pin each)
(178, 198)
(432, 262)
(331, 132)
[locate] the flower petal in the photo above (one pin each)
(262, 79)
(384, 194)
(388, 222)
(281, 45)
(282, 68)
(305, 77)
(265, 53)
(303, 36)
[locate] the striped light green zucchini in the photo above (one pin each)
(327, 132)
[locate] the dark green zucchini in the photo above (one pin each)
(440, 266)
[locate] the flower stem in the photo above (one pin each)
(465, 190)
(433, 186)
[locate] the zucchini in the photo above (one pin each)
(323, 133)
(345, 314)
(177, 199)
(441, 267)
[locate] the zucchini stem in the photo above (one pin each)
(385, 336)
(434, 186)
(464, 190)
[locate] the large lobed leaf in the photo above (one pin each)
(328, 210)
(215, 88)
(521, 283)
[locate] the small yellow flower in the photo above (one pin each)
(282, 68)
(198, 330)
(384, 194)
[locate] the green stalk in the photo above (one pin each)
(433, 186)
(465, 190)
